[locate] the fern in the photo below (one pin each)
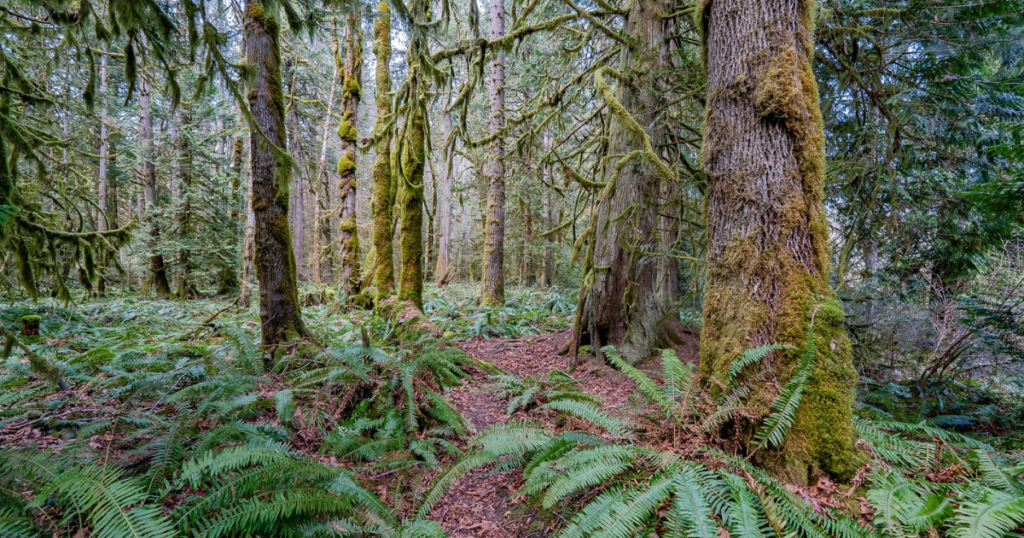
(751, 356)
(777, 424)
(445, 480)
(990, 514)
(592, 414)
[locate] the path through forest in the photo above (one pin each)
(482, 504)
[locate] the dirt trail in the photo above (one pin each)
(481, 504)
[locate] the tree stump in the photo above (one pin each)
(30, 325)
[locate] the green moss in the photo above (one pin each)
(351, 87)
(31, 319)
(346, 164)
(347, 131)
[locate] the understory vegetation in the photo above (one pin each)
(179, 427)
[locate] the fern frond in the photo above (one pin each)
(592, 414)
(749, 357)
(991, 514)
(784, 408)
(441, 484)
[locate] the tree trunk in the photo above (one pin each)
(492, 288)
(547, 277)
(182, 185)
(444, 182)
(383, 197)
(621, 307)
(323, 261)
(768, 253)
(348, 232)
(104, 222)
(411, 164)
(297, 202)
(157, 268)
(270, 165)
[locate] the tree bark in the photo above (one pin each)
(157, 268)
(492, 288)
(348, 232)
(547, 276)
(768, 253)
(444, 209)
(411, 164)
(621, 306)
(321, 185)
(383, 198)
(104, 222)
(182, 185)
(297, 201)
(270, 165)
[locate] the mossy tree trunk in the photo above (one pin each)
(383, 197)
(492, 287)
(348, 236)
(768, 254)
(157, 268)
(270, 167)
(621, 306)
(550, 220)
(411, 161)
(104, 221)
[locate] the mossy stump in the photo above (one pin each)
(30, 325)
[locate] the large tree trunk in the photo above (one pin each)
(157, 268)
(768, 253)
(281, 321)
(348, 232)
(492, 287)
(621, 306)
(383, 193)
(411, 164)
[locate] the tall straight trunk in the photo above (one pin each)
(323, 260)
(492, 289)
(526, 276)
(297, 202)
(621, 307)
(550, 218)
(103, 222)
(767, 237)
(280, 318)
(348, 232)
(157, 268)
(182, 198)
(383, 193)
(443, 181)
(412, 161)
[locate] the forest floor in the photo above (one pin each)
(484, 504)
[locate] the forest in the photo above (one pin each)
(512, 268)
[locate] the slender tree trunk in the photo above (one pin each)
(297, 202)
(181, 186)
(526, 276)
(348, 232)
(768, 253)
(280, 318)
(383, 192)
(157, 268)
(621, 307)
(102, 191)
(321, 186)
(550, 220)
(492, 289)
(444, 210)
